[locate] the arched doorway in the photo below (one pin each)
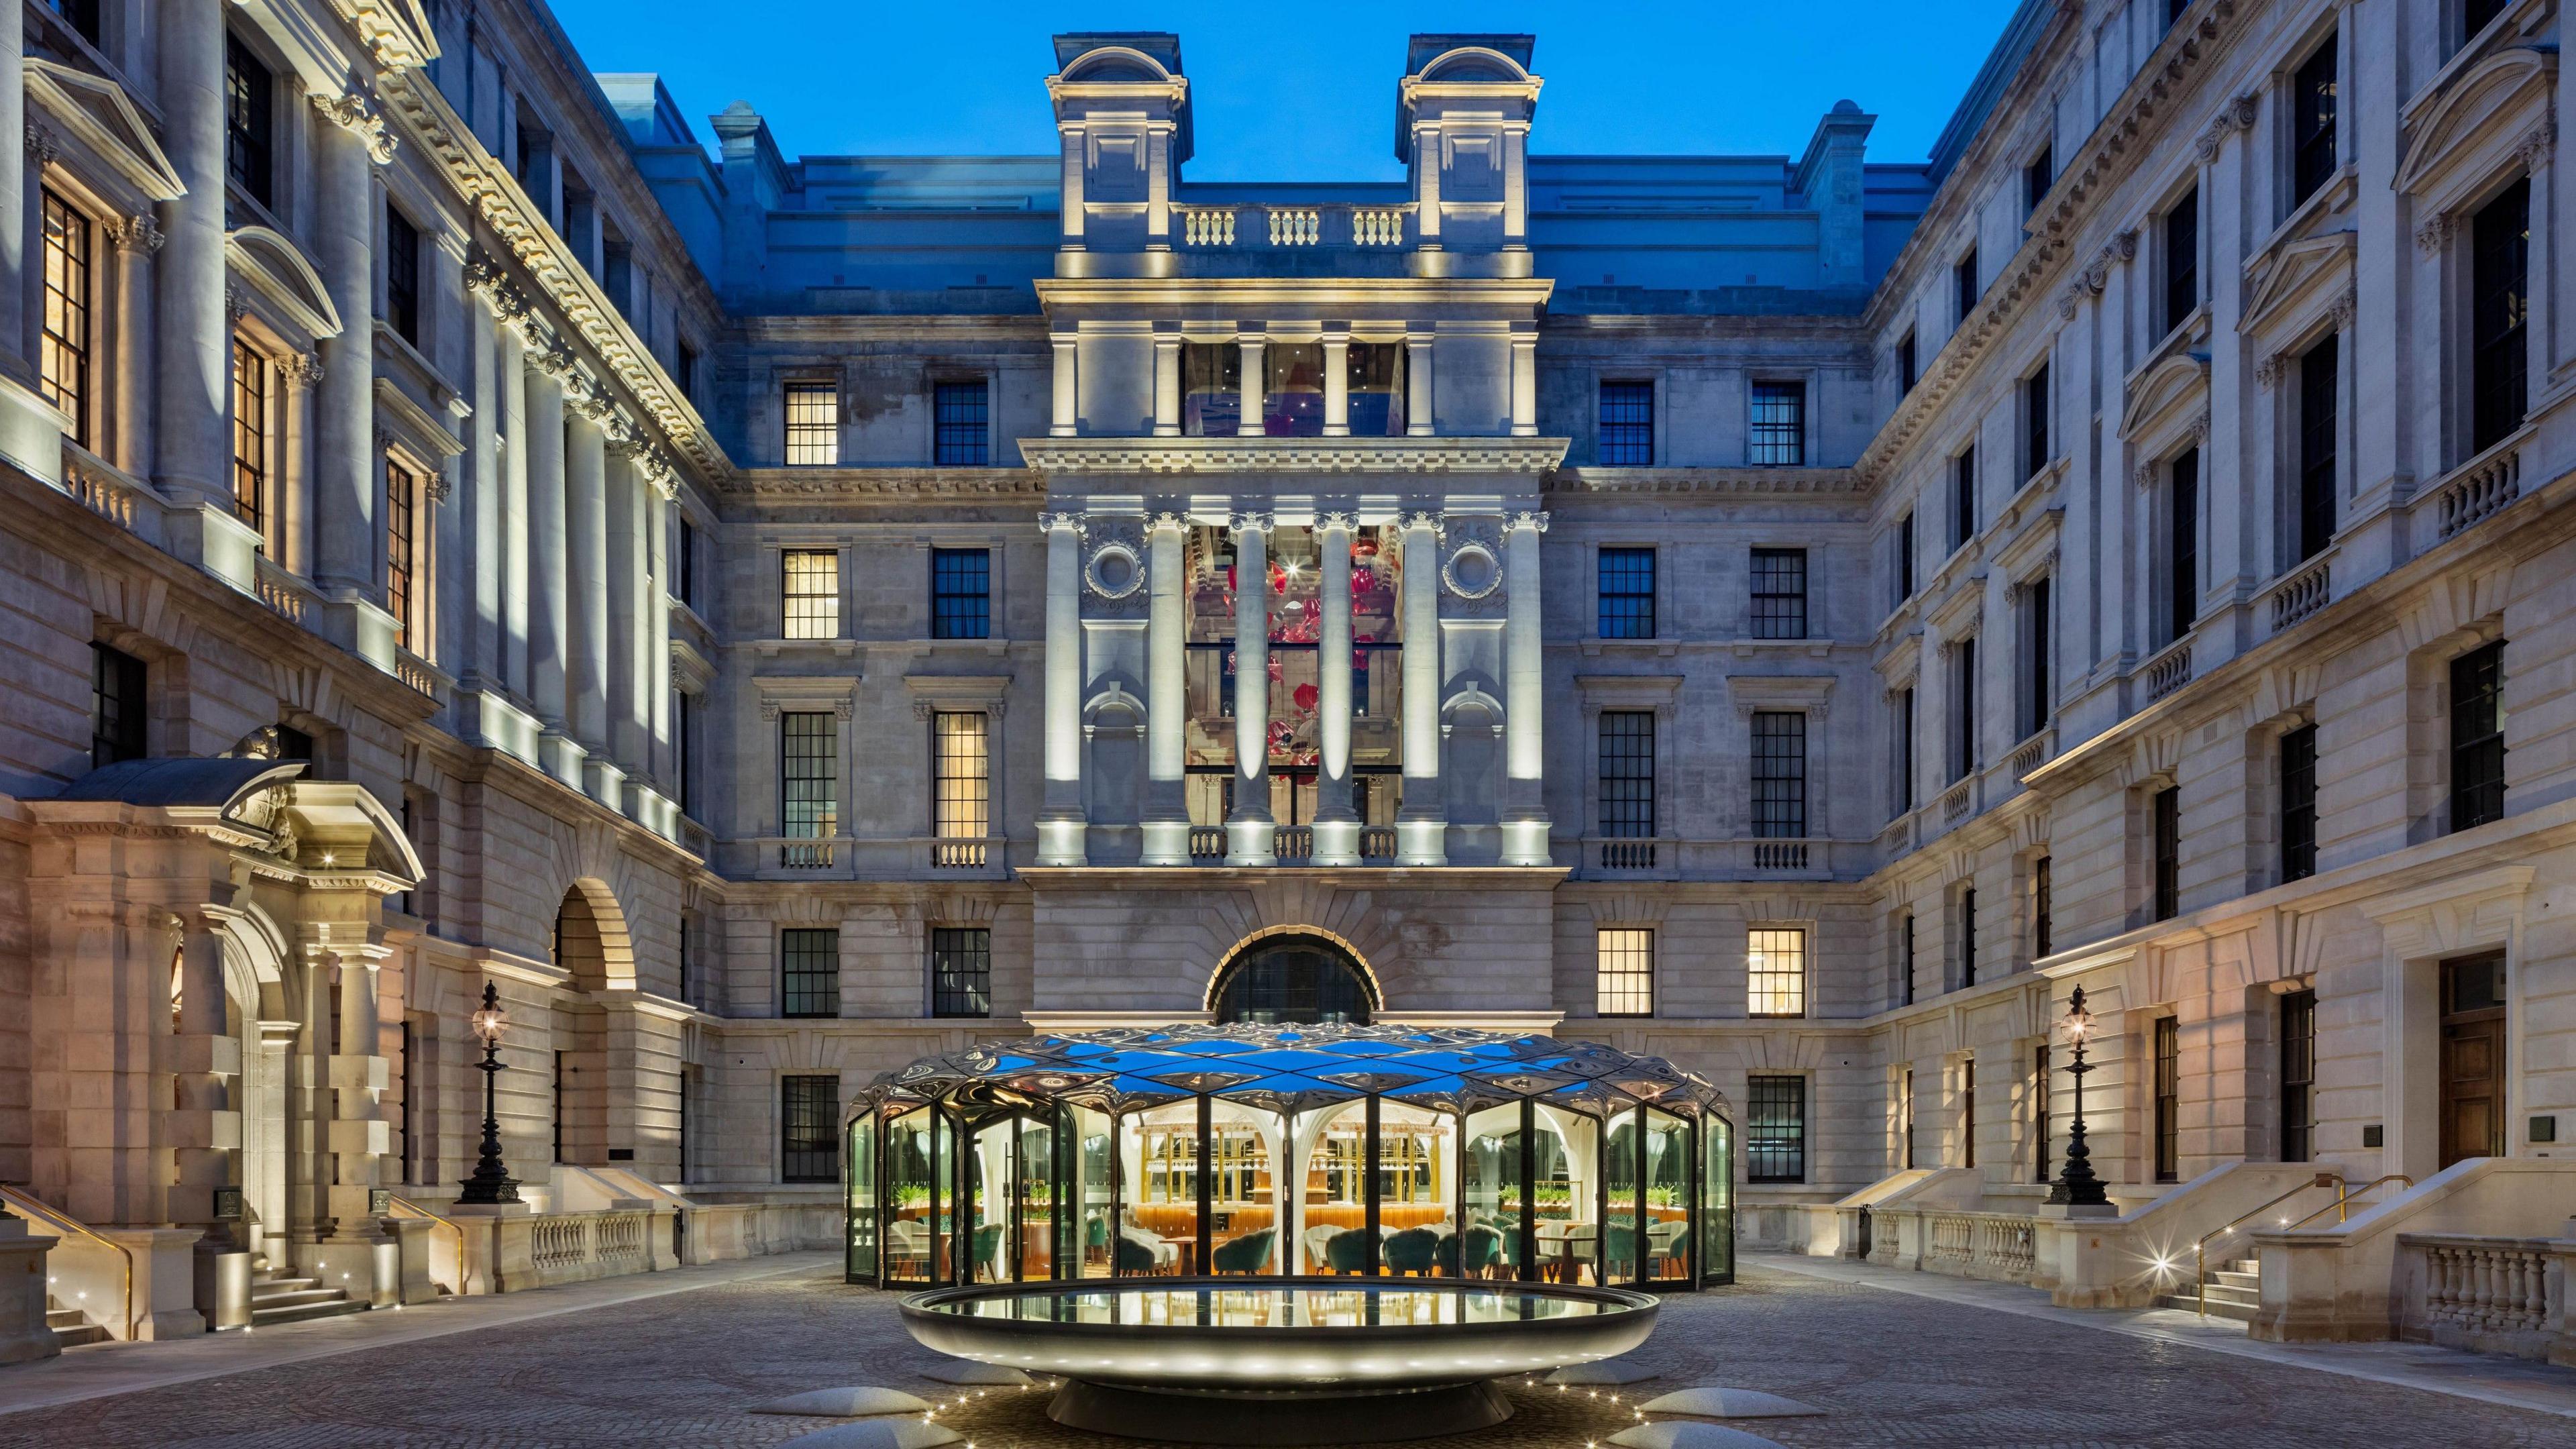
(1303, 979)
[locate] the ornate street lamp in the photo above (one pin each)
(2076, 1186)
(491, 1182)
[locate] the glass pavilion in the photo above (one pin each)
(1290, 1149)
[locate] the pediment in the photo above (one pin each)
(2502, 96)
(97, 111)
(2177, 383)
(2297, 274)
(272, 265)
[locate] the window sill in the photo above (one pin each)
(1812, 648)
(772, 648)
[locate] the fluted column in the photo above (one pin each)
(630, 726)
(482, 663)
(1250, 425)
(1337, 825)
(1422, 827)
(345, 512)
(586, 568)
(1060, 822)
(657, 637)
(1167, 815)
(1249, 838)
(549, 596)
(138, 239)
(1337, 386)
(298, 374)
(1524, 817)
(194, 371)
(511, 372)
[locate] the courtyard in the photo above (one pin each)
(678, 1359)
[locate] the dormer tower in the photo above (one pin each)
(1122, 116)
(1462, 127)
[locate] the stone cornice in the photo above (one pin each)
(1309, 296)
(928, 484)
(1293, 455)
(1704, 480)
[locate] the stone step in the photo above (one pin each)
(264, 1281)
(2218, 1308)
(71, 1326)
(333, 1307)
(2234, 1279)
(2228, 1293)
(295, 1298)
(81, 1335)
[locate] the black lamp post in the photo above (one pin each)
(2076, 1186)
(491, 1182)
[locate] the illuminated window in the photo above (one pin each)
(1775, 972)
(64, 362)
(250, 435)
(813, 423)
(402, 501)
(961, 772)
(1625, 982)
(810, 593)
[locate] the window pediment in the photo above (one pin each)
(278, 271)
(2176, 386)
(2484, 115)
(2297, 282)
(97, 111)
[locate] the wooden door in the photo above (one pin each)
(2472, 1067)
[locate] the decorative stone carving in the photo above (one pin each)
(42, 148)
(553, 358)
(1050, 522)
(1347, 523)
(2268, 371)
(1471, 571)
(2534, 149)
(1114, 572)
(1242, 523)
(140, 232)
(235, 305)
(1536, 522)
(357, 113)
(1436, 523)
(2433, 236)
(300, 369)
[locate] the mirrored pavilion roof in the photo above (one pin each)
(1288, 1068)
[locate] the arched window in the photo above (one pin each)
(1300, 979)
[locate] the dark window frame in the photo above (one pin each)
(2043, 907)
(1967, 936)
(1626, 741)
(250, 121)
(402, 274)
(2320, 387)
(2164, 828)
(961, 593)
(69, 252)
(2313, 139)
(2038, 175)
(2499, 316)
(1775, 1128)
(2180, 282)
(2036, 454)
(2297, 756)
(809, 797)
(1905, 546)
(1964, 285)
(2168, 1099)
(809, 972)
(2039, 625)
(1964, 743)
(1906, 372)
(1777, 433)
(961, 423)
(961, 971)
(1624, 583)
(1963, 498)
(119, 706)
(1779, 603)
(1626, 423)
(1779, 774)
(2477, 752)
(2299, 1075)
(2182, 544)
(809, 1121)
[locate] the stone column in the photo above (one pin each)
(348, 1118)
(1422, 827)
(37, 150)
(192, 454)
(207, 1059)
(1337, 385)
(18, 197)
(1167, 385)
(1063, 422)
(630, 726)
(1337, 825)
(345, 515)
(1250, 424)
(1248, 827)
(1060, 822)
(550, 600)
(1417, 384)
(586, 578)
(656, 645)
(1524, 819)
(137, 239)
(298, 374)
(511, 374)
(1167, 817)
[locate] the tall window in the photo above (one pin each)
(2299, 803)
(2165, 810)
(1627, 773)
(1627, 585)
(2034, 422)
(1963, 498)
(687, 551)
(2298, 1076)
(961, 971)
(1963, 281)
(2477, 736)
(1623, 982)
(1905, 557)
(809, 972)
(813, 423)
(2039, 1123)
(1775, 972)
(1779, 775)
(1905, 373)
(684, 708)
(2182, 544)
(1627, 424)
(1779, 437)
(1963, 709)
(1775, 1129)
(809, 758)
(1967, 936)
(1905, 961)
(809, 1129)
(250, 119)
(1779, 593)
(2312, 123)
(2318, 368)
(402, 503)
(116, 707)
(684, 369)
(402, 275)
(2043, 908)
(1968, 1112)
(961, 775)
(2182, 259)
(1905, 749)
(961, 424)
(83, 16)
(250, 435)
(2038, 640)
(2499, 306)
(2168, 1099)
(961, 593)
(810, 593)
(64, 362)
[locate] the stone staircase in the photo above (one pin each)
(71, 1326)
(2235, 1291)
(275, 1299)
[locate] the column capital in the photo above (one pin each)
(548, 355)
(301, 370)
(1425, 519)
(1243, 522)
(356, 112)
(1050, 522)
(42, 148)
(1331, 522)
(140, 232)
(1534, 521)
(1164, 520)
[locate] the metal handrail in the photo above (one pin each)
(2200, 1249)
(63, 1219)
(2340, 1205)
(398, 1200)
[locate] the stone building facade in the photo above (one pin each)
(1800, 616)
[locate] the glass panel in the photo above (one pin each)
(1211, 388)
(1093, 1186)
(1243, 1190)
(1666, 1248)
(1490, 1173)
(1037, 1200)
(1416, 1165)
(1717, 1201)
(1566, 1183)
(1619, 1168)
(943, 1219)
(988, 1195)
(1332, 1214)
(863, 1197)
(1292, 404)
(1158, 1159)
(908, 1194)
(1376, 373)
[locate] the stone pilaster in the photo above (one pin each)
(1166, 816)
(1337, 825)
(1524, 817)
(1060, 819)
(137, 240)
(1249, 835)
(1422, 827)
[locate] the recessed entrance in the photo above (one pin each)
(2473, 1058)
(1302, 980)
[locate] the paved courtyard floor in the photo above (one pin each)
(676, 1359)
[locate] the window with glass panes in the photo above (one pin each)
(1627, 593)
(961, 424)
(813, 423)
(961, 593)
(809, 769)
(1779, 774)
(1968, 1112)
(1775, 1129)
(82, 16)
(1627, 424)
(1963, 498)
(1905, 375)
(809, 592)
(688, 552)
(809, 1129)
(2182, 543)
(1627, 773)
(1624, 972)
(2499, 309)
(1775, 972)
(1963, 282)
(1963, 709)
(2043, 906)
(2038, 626)
(402, 502)
(1905, 557)
(2312, 123)
(2477, 736)
(2319, 367)
(250, 435)
(402, 275)
(116, 707)
(2034, 421)
(2168, 1119)
(1779, 437)
(1967, 936)
(2298, 1076)
(1905, 960)
(2477, 15)
(2299, 803)
(1779, 593)
(2182, 258)
(2036, 177)
(961, 775)
(2165, 824)
(961, 971)
(63, 363)
(809, 971)
(249, 120)
(2040, 1126)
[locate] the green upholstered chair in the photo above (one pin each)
(1133, 1256)
(1347, 1251)
(1415, 1250)
(988, 1251)
(1479, 1249)
(1247, 1254)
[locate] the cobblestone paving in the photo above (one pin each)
(681, 1370)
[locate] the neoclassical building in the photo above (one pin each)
(1799, 616)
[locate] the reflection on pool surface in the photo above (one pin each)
(1204, 1307)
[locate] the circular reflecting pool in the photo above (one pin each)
(1330, 1360)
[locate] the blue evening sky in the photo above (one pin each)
(1304, 92)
